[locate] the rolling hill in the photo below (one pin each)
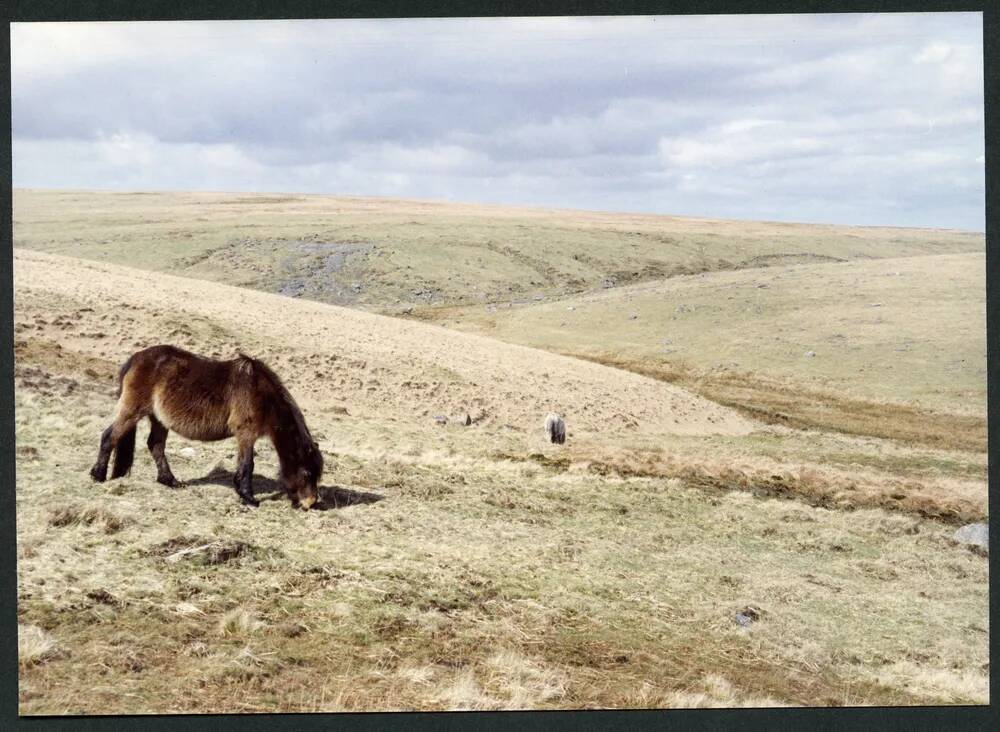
(464, 567)
(408, 257)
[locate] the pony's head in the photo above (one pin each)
(300, 482)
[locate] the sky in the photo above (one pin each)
(852, 119)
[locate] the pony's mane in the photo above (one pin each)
(263, 369)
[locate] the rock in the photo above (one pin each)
(747, 615)
(974, 535)
(463, 419)
(188, 452)
(555, 428)
(633, 316)
(440, 420)
(809, 354)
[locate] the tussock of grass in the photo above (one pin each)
(526, 684)
(239, 622)
(713, 691)
(88, 515)
(464, 693)
(34, 646)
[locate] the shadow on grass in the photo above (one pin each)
(269, 489)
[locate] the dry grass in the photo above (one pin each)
(88, 515)
(239, 622)
(467, 567)
(903, 331)
(419, 257)
(711, 692)
(576, 590)
(34, 646)
(793, 405)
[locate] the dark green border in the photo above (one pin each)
(905, 718)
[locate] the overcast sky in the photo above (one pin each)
(858, 119)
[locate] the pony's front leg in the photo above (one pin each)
(244, 472)
(157, 444)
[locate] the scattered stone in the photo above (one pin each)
(875, 305)
(102, 596)
(555, 428)
(976, 535)
(633, 316)
(809, 354)
(748, 615)
(762, 286)
(571, 307)
(215, 552)
(463, 419)
(607, 284)
(188, 452)
(440, 419)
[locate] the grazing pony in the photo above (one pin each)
(204, 399)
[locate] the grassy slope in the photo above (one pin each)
(388, 255)
(891, 348)
(899, 342)
(495, 571)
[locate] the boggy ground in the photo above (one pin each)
(466, 567)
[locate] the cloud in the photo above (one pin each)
(878, 116)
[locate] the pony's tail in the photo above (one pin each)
(125, 448)
(124, 453)
(122, 371)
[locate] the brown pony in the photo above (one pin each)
(204, 399)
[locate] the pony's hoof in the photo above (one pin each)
(170, 482)
(97, 476)
(252, 502)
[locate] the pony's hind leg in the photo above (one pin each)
(243, 479)
(100, 470)
(119, 436)
(157, 444)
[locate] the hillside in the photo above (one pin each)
(408, 257)
(891, 347)
(463, 567)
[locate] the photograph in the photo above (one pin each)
(631, 362)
